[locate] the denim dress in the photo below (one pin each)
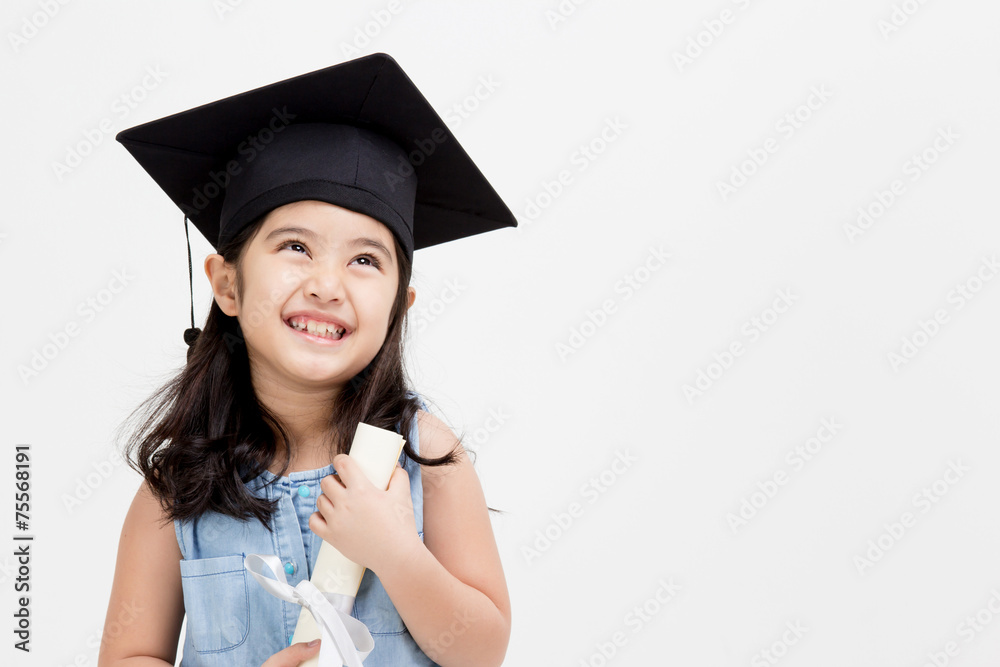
(232, 621)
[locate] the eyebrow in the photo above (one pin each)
(361, 241)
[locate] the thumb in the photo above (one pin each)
(293, 655)
(400, 479)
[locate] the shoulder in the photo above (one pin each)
(436, 438)
(146, 518)
(146, 505)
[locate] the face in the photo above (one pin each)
(312, 270)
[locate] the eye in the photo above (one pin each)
(372, 261)
(292, 242)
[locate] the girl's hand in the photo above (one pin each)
(294, 655)
(374, 528)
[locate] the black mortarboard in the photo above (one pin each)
(358, 134)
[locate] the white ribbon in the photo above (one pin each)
(346, 640)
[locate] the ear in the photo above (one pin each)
(411, 295)
(221, 276)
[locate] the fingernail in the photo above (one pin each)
(313, 643)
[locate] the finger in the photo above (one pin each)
(346, 470)
(351, 474)
(293, 655)
(324, 507)
(332, 486)
(317, 523)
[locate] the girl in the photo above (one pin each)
(315, 191)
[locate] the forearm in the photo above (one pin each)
(136, 661)
(452, 622)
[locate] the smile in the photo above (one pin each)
(317, 331)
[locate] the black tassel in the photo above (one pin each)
(190, 335)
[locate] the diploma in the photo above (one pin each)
(376, 451)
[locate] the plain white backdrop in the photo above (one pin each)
(788, 390)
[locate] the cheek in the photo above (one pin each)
(260, 308)
(377, 314)
(387, 311)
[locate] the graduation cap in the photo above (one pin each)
(358, 134)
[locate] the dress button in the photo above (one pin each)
(304, 491)
(289, 568)
(289, 640)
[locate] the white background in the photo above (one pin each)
(683, 130)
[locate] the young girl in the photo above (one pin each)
(314, 191)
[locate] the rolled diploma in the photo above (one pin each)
(376, 451)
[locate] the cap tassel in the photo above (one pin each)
(190, 335)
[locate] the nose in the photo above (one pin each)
(325, 281)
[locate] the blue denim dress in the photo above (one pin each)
(232, 621)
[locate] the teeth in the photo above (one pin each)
(318, 328)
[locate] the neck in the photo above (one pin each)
(305, 416)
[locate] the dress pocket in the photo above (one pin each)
(374, 607)
(216, 600)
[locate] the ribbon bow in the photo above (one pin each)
(346, 640)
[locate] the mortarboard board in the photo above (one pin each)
(358, 134)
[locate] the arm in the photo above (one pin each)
(450, 589)
(147, 605)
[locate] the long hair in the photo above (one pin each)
(205, 433)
